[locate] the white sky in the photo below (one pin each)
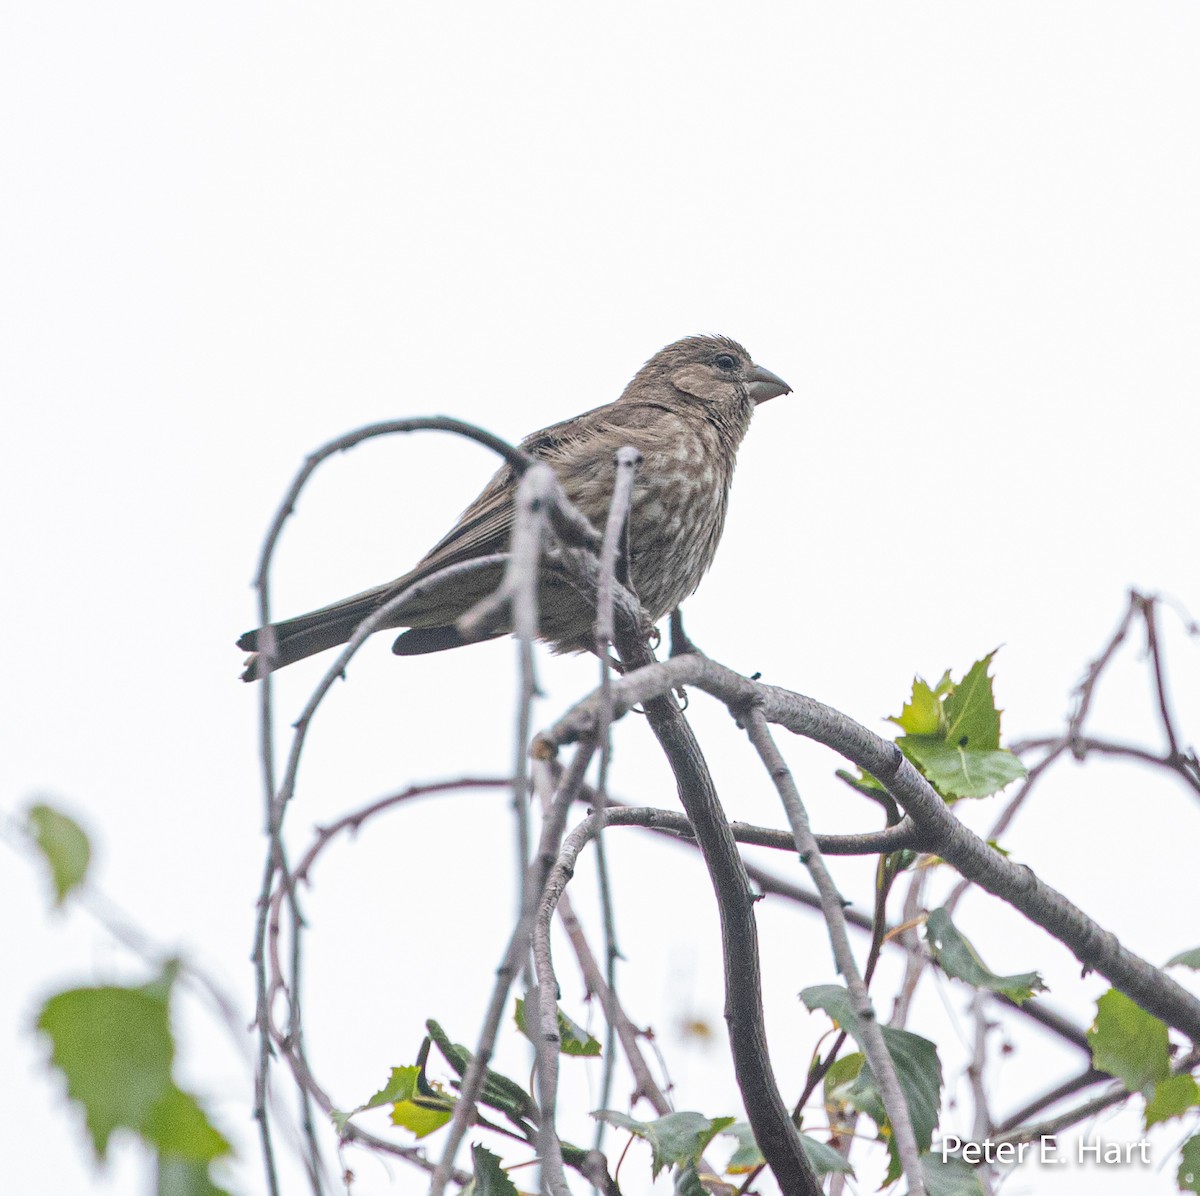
(967, 236)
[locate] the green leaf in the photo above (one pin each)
(840, 1077)
(747, 1156)
(959, 959)
(401, 1085)
(1129, 1043)
(489, 1178)
(1172, 1097)
(972, 720)
(952, 1177)
(1186, 959)
(675, 1140)
(956, 770)
(177, 1126)
(1188, 1175)
(64, 846)
(824, 1158)
(952, 734)
(179, 1177)
(418, 1111)
(922, 713)
(915, 1059)
(114, 1047)
(573, 1039)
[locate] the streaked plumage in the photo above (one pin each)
(686, 410)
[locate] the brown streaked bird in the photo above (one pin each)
(686, 411)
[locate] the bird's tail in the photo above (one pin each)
(308, 634)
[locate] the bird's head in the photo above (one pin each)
(713, 369)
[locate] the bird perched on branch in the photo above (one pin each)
(685, 411)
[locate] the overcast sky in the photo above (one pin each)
(967, 236)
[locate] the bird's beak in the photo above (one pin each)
(764, 385)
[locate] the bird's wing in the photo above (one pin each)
(486, 525)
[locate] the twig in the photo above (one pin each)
(1057, 748)
(1055, 1125)
(546, 1019)
(518, 592)
(626, 460)
(678, 826)
(1087, 687)
(982, 1123)
(832, 906)
(1146, 605)
(518, 946)
(1085, 1079)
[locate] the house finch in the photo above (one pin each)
(686, 411)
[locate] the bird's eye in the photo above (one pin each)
(724, 361)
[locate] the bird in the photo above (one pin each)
(686, 411)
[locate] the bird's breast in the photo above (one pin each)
(677, 513)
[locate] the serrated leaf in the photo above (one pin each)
(115, 1048)
(180, 1177)
(573, 1039)
(959, 959)
(922, 713)
(488, 1177)
(1172, 1097)
(747, 1156)
(675, 1140)
(952, 734)
(956, 770)
(915, 1059)
(177, 1126)
(1127, 1042)
(951, 1177)
(972, 719)
(401, 1085)
(64, 846)
(1188, 1175)
(416, 1105)
(1185, 959)
(413, 1108)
